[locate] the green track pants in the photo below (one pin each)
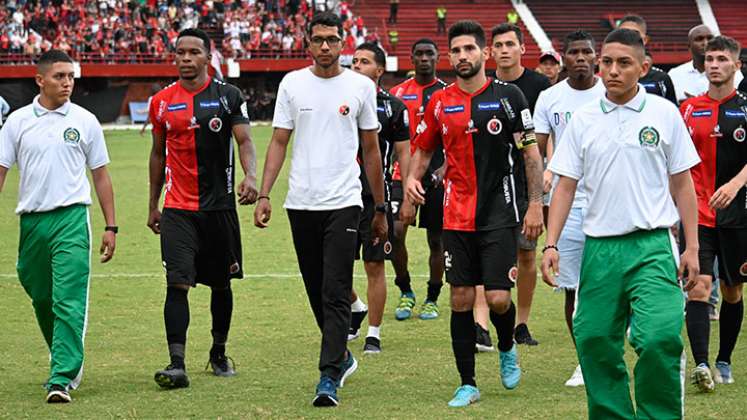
(631, 280)
(54, 255)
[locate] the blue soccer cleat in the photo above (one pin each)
(464, 396)
(326, 393)
(404, 309)
(510, 370)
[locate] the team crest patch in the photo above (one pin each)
(513, 274)
(71, 135)
(648, 137)
(215, 124)
(344, 110)
(740, 134)
(495, 126)
(743, 269)
(387, 247)
(234, 268)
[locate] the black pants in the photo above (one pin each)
(325, 246)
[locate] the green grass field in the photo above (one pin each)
(274, 339)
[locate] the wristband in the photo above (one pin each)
(263, 196)
(114, 229)
(546, 247)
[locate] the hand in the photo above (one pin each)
(380, 228)
(689, 261)
(415, 193)
(724, 195)
(262, 213)
(248, 191)
(407, 212)
(547, 181)
(154, 221)
(550, 266)
(533, 222)
(108, 243)
(438, 176)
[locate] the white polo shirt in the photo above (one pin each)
(325, 115)
(553, 112)
(52, 149)
(626, 154)
(686, 78)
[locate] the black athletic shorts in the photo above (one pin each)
(431, 213)
(729, 245)
(481, 258)
(201, 247)
(381, 251)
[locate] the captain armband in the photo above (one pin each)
(527, 139)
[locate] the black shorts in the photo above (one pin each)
(481, 258)
(201, 247)
(431, 213)
(397, 196)
(371, 252)
(729, 245)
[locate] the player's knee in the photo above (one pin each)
(732, 294)
(499, 301)
(375, 271)
(658, 341)
(527, 258)
(462, 298)
(701, 292)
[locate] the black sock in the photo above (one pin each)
(221, 308)
(463, 343)
(698, 329)
(504, 327)
(434, 290)
(403, 283)
(176, 318)
(730, 322)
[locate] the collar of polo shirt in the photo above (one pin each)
(39, 110)
(636, 104)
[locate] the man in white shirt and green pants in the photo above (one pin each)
(53, 141)
(632, 149)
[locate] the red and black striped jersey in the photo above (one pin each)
(718, 129)
(199, 146)
(482, 188)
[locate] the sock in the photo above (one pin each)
(373, 332)
(434, 289)
(358, 306)
(698, 330)
(403, 283)
(221, 308)
(730, 322)
(504, 327)
(463, 344)
(176, 318)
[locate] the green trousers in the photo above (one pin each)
(54, 259)
(631, 280)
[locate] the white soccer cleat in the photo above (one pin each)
(577, 379)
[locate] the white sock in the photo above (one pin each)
(373, 331)
(358, 306)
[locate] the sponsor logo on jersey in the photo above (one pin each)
(224, 101)
(494, 126)
(453, 109)
(526, 119)
(509, 109)
(716, 131)
(193, 123)
(244, 111)
(177, 107)
(421, 127)
(740, 134)
(648, 137)
(447, 260)
(471, 128)
(209, 104)
(651, 86)
(706, 113)
(71, 135)
(743, 269)
(380, 109)
(513, 274)
(215, 124)
(489, 106)
(344, 110)
(409, 97)
(734, 114)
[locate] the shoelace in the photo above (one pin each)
(406, 303)
(430, 307)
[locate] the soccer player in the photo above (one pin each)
(416, 92)
(333, 112)
(717, 123)
(631, 148)
(484, 126)
(394, 136)
(550, 63)
(194, 120)
(507, 47)
(53, 141)
(555, 108)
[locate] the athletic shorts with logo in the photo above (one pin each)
(372, 253)
(431, 213)
(481, 258)
(201, 247)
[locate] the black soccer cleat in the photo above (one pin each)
(372, 346)
(523, 336)
(356, 319)
(222, 365)
(483, 343)
(172, 377)
(58, 394)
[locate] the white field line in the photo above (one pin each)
(161, 274)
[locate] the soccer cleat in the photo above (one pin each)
(702, 378)
(326, 393)
(372, 346)
(722, 373)
(356, 319)
(577, 379)
(221, 366)
(464, 396)
(713, 314)
(404, 309)
(482, 341)
(429, 310)
(58, 394)
(523, 336)
(172, 377)
(348, 367)
(510, 370)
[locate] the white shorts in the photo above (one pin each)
(571, 249)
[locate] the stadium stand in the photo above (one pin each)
(730, 18)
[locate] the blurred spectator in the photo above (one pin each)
(512, 17)
(549, 65)
(441, 18)
(393, 9)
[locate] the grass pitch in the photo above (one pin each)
(274, 339)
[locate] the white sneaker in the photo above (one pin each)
(577, 379)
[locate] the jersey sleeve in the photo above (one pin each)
(523, 118)
(743, 86)
(567, 159)
(239, 111)
(8, 147)
(428, 132)
(542, 115)
(679, 148)
(367, 118)
(283, 115)
(95, 148)
(155, 115)
(400, 123)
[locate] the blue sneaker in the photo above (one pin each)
(429, 310)
(404, 309)
(723, 373)
(510, 370)
(326, 393)
(348, 367)
(464, 396)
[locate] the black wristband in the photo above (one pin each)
(546, 247)
(263, 196)
(114, 229)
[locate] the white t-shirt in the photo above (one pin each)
(626, 154)
(553, 111)
(686, 78)
(52, 150)
(325, 115)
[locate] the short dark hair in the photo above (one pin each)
(423, 41)
(379, 54)
(326, 19)
(626, 37)
(197, 33)
(638, 20)
(468, 27)
(577, 35)
(724, 43)
(505, 28)
(50, 57)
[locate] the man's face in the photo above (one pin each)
(507, 50)
(549, 67)
(579, 59)
(425, 58)
(325, 45)
(621, 66)
(191, 57)
(698, 40)
(720, 67)
(56, 81)
(364, 63)
(635, 27)
(466, 56)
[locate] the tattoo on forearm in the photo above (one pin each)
(534, 179)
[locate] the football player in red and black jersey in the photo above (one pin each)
(194, 123)
(484, 126)
(717, 122)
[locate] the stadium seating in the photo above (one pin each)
(730, 15)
